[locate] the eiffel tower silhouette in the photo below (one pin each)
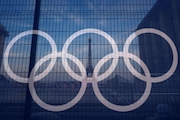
(89, 69)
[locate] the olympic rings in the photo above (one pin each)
(95, 78)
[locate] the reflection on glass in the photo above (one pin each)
(119, 19)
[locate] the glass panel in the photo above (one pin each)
(103, 59)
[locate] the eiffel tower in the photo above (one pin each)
(89, 69)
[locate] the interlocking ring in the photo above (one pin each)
(95, 78)
(96, 31)
(14, 40)
(168, 40)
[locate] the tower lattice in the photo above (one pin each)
(89, 69)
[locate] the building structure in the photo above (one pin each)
(3, 34)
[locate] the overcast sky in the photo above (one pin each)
(61, 18)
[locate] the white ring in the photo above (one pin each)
(130, 107)
(54, 107)
(174, 51)
(10, 45)
(96, 31)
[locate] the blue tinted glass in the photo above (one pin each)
(89, 59)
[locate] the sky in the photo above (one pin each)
(61, 18)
